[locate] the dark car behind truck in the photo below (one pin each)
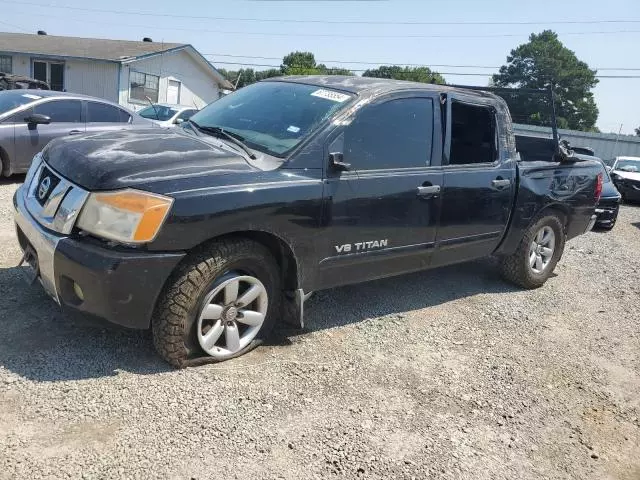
(211, 233)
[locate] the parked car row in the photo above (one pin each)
(30, 119)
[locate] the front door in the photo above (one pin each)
(173, 92)
(66, 119)
(478, 183)
(382, 213)
(49, 72)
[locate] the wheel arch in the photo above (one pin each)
(556, 209)
(277, 246)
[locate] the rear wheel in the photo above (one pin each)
(531, 265)
(220, 304)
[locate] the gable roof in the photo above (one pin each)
(120, 51)
(94, 48)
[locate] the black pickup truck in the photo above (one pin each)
(211, 233)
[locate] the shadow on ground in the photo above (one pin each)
(12, 180)
(42, 344)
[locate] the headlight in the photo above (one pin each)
(127, 216)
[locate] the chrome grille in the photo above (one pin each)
(58, 208)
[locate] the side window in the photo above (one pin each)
(125, 117)
(103, 113)
(186, 115)
(394, 134)
(63, 111)
(473, 134)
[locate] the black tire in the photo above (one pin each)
(174, 323)
(516, 268)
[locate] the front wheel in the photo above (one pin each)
(531, 265)
(219, 304)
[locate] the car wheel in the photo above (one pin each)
(221, 303)
(531, 265)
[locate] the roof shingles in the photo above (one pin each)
(94, 48)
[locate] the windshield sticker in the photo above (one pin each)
(293, 129)
(31, 96)
(329, 95)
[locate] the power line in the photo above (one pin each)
(331, 22)
(485, 74)
(348, 62)
(322, 35)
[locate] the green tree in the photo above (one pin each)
(304, 63)
(638, 131)
(299, 63)
(542, 62)
(414, 74)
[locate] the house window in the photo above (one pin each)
(50, 72)
(6, 64)
(143, 87)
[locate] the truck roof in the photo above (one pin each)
(358, 85)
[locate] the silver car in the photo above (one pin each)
(29, 119)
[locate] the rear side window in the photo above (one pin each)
(104, 113)
(473, 134)
(61, 111)
(394, 134)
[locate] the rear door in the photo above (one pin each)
(382, 213)
(66, 119)
(478, 181)
(105, 117)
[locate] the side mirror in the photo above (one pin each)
(178, 121)
(336, 160)
(609, 168)
(37, 119)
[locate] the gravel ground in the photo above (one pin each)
(445, 374)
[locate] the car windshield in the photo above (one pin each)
(158, 112)
(10, 99)
(273, 117)
(628, 165)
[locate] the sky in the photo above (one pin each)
(469, 33)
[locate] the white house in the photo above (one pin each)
(123, 71)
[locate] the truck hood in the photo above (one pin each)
(627, 175)
(127, 158)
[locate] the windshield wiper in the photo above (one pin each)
(232, 137)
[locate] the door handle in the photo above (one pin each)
(500, 183)
(428, 191)
(75, 132)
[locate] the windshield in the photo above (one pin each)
(628, 165)
(10, 99)
(158, 112)
(273, 117)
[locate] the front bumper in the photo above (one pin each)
(120, 286)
